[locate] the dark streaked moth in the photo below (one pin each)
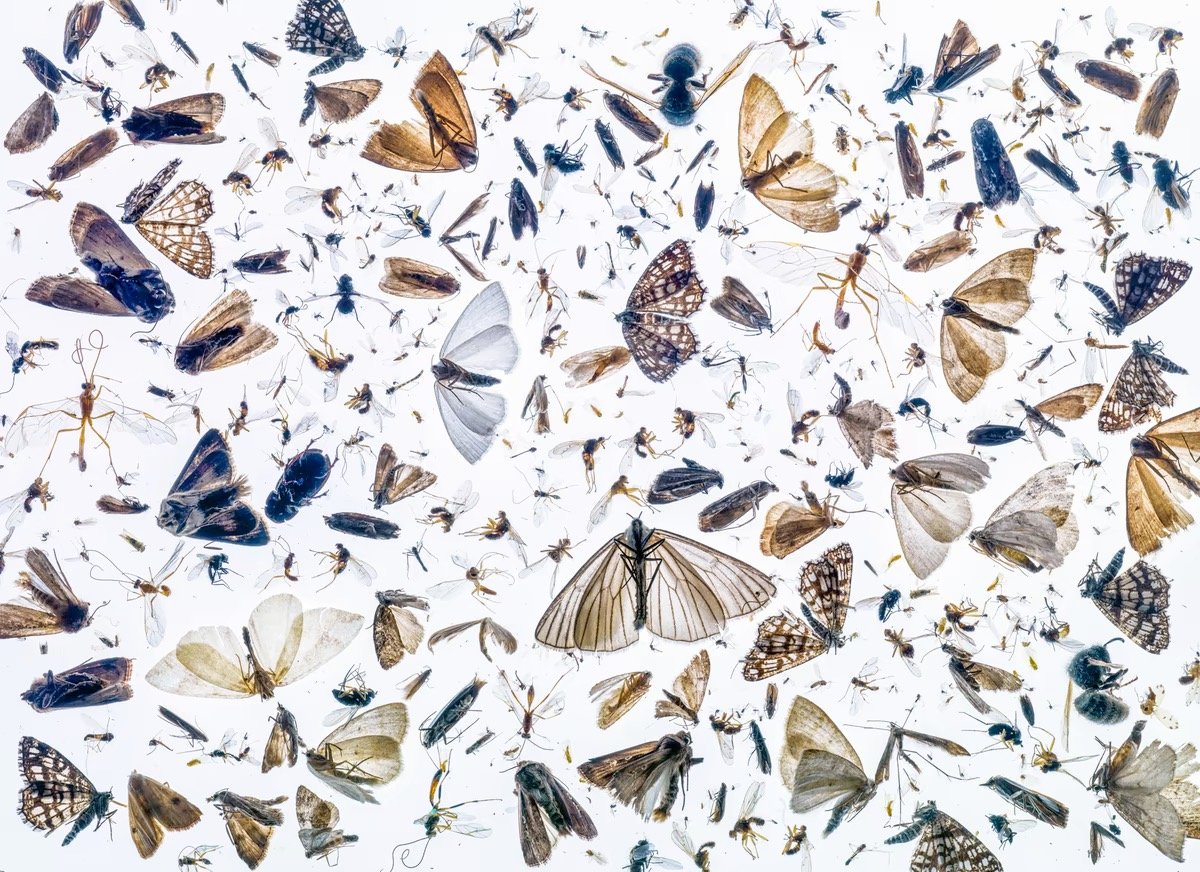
(1156, 108)
(225, 336)
(971, 676)
(647, 777)
(543, 801)
(395, 480)
(959, 57)
(153, 808)
(1110, 78)
(696, 590)
(415, 279)
(82, 22)
(188, 120)
(912, 172)
(737, 304)
(96, 682)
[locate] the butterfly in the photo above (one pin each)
(1034, 528)
(318, 819)
(339, 101)
(1163, 470)
(188, 120)
(1147, 788)
(789, 526)
(930, 505)
(819, 765)
(153, 807)
(676, 588)
(223, 337)
(205, 502)
(479, 339)
(945, 844)
(280, 644)
(173, 225)
(320, 27)
(645, 777)
(978, 314)
(542, 799)
(54, 606)
(783, 640)
(1134, 601)
(126, 283)
(396, 629)
(959, 58)
(249, 822)
(776, 150)
(96, 682)
(686, 695)
(395, 481)
(866, 425)
(1141, 284)
(653, 319)
(1139, 391)
(362, 753)
(620, 694)
(56, 792)
(445, 138)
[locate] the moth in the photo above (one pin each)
(396, 629)
(945, 844)
(1110, 78)
(1134, 601)
(959, 58)
(544, 800)
(1039, 805)
(866, 425)
(1139, 391)
(33, 126)
(339, 101)
(728, 510)
(363, 753)
(320, 27)
(819, 766)
(681, 482)
(206, 500)
(1034, 528)
(53, 605)
(126, 283)
(776, 151)
(976, 317)
(318, 819)
(672, 586)
(653, 322)
(153, 808)
(618, 695)
(687, 692)
(443, 141)
(249, 822)
(912, 171)
(784, 641)
(82, 22)
(737, 304)
(647, 777)
(405, 277)
(1141, 284)
(283, 742)
(930, 505)
(1163, 470)
(488, 629)
(82, 155)
(173, 224)
(188, 120)
(225, 336)
(995, 176)
(57, 793)
(479, 340)
(1156, 109)
(281, 643)
(790, 526)
(95, 682)
(971, 677)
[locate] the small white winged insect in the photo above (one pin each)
(930, 505)
(281, 643)
(479, 340)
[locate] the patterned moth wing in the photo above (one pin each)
(142, 197)
(652, 323)
(1134, 601)
(783, 640)
(1139, 390)
(173, 227)
(322, 28)
(56, 791)
(1141, 284)
(946, 846)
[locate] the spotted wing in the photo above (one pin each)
(1136, 395)
(1143, 283)
(946, 846)
(670, 285)
(55, 790)
(173, 227)
(659, 345)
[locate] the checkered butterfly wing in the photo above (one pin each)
(1142, 284)
(1138, 391)
(825, 588)
(784, 642)
(946, 846)
(173, 227)
(1135, 602)
(320, 28)
(55, 790)
(668, 291)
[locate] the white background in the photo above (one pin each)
(864, 53)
